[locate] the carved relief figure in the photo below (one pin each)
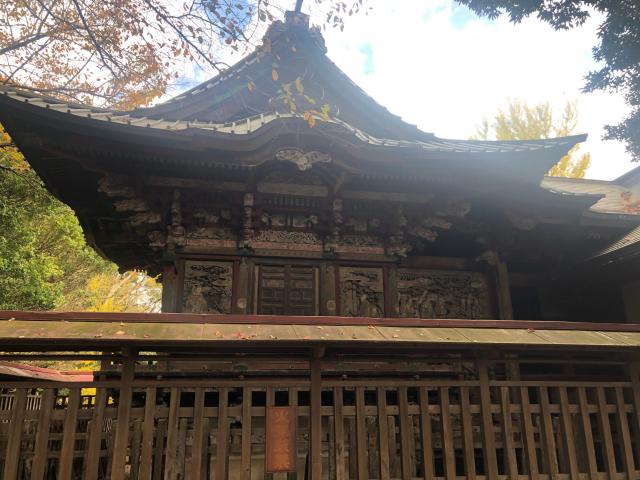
(301, 159)
(361, 292)
(207, 287)
(360, 244)
(438, 294)
(296, 220)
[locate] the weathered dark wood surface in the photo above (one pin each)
(475, 425)
(235, 319)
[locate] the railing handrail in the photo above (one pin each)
(244, 319)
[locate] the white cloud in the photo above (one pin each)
(445, 77)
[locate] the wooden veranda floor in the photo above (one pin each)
(443, 411)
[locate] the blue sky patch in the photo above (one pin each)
(460, 15)
(367, 50)
(426, 16)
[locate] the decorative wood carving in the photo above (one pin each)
(331, 241)
(247, 223)
(397, 244)
(291, 240)
(210, 227)
(207, 287)
(293, 220)
(157, 239)
(223, 238)
(360, 244)
(521, 220)
(176, 235)
(116, 186)
(301, 159)
(442, 294)
(361, 292)
(132, 205)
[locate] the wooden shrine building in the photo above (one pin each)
(344, 295)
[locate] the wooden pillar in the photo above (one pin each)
(65, 467)
(631, 297)
(146, 456)
(241, 295)
(361, 435)
(198, 448)
(14, 442)
(169, 288)
(504, 290)
(531, 467)
(315, 464)
(222, 440)
(41, 447)
(634, 373)
(124, 413)
(391, 291)
(94, 443)
(328, 289)
(425, 428)
(488, 431)
(245, 459)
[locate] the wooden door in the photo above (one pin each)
(287, 290)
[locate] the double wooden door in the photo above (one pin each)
(287, 290)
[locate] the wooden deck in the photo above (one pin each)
(461, 412)
(473, 427)
(95, 330)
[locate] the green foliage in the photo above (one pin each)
(126, 53)
(618, 48)
(45, 262)
(41, 241)
(534, 122)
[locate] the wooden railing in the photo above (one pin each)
(479, 425)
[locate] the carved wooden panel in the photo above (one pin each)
(207, 287)
(289, 240)
(443, 294)
(361, 292)
(287, 290)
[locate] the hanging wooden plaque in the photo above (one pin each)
(281, 439)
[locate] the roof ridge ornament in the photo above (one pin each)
(301, 159)
(296, 19)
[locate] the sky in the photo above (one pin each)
(442, 68)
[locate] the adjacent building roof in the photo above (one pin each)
(619, 196)
(629, 241)
(22, 370)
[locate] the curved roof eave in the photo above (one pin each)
(28, 105)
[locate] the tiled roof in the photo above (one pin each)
(616, 198)
(631, 238)
(22, 370)
(254, 123)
